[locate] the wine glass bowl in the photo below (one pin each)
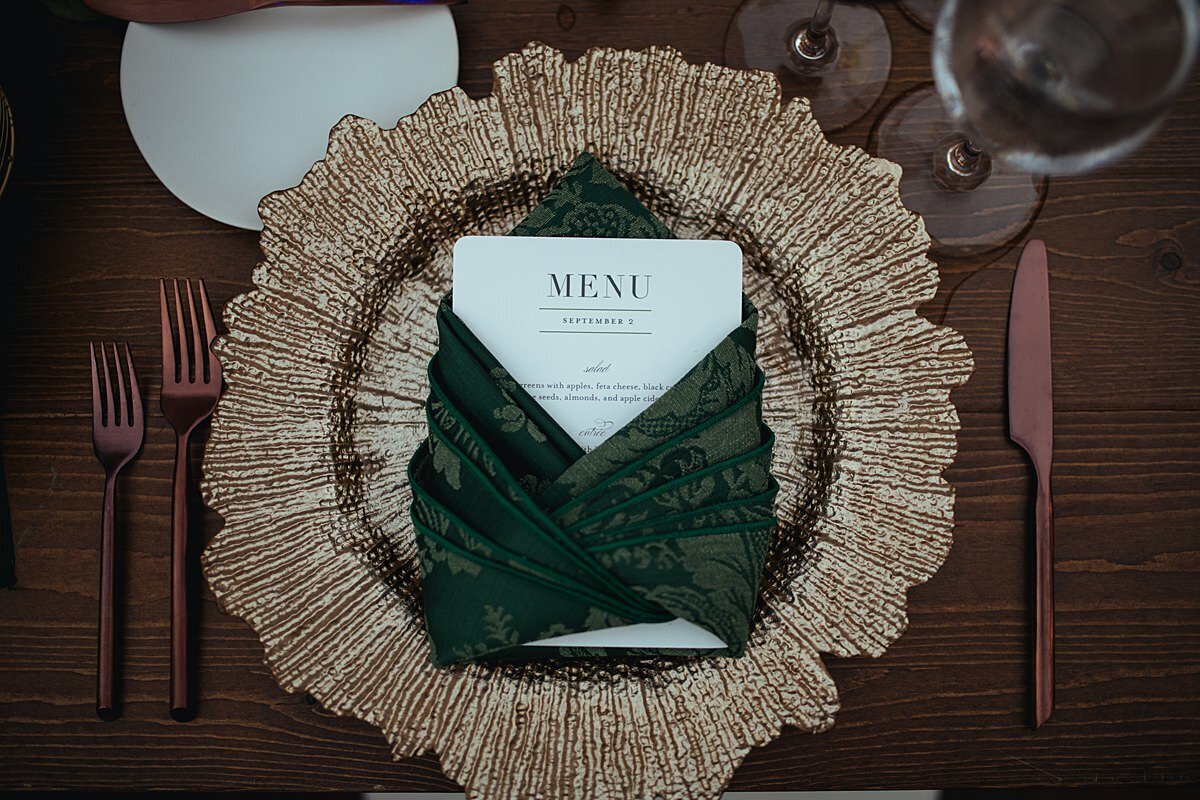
(1062, 86)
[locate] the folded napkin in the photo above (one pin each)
(522, 536)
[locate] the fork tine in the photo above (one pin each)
(110, 414)
(210, 329)
(121, 418)
(97, 408)
(168, 340)
(199, 362)
(185, 359)
(135, 393)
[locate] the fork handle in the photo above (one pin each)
(106, 700)
(181, 698)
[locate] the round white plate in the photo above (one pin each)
(228, 110)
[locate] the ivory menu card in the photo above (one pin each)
(596, 330)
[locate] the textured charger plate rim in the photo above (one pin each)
(229, 488)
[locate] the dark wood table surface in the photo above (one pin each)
(85, 228)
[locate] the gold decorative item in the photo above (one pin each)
(325, 363)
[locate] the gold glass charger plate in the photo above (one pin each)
(325, 364)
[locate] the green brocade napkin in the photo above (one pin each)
(522, 536)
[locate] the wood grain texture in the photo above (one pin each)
(85, 228)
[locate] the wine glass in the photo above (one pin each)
(922, 12)
(1030, 88)
(839, 61)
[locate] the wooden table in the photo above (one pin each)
(86, 228)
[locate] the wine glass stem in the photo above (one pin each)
(821, 16)
(965, 158)
(960, 165)
(812, 40)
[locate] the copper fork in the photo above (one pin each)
(117, 430)
(191, 384)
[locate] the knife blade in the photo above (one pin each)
(1031, 425)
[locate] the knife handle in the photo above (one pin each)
(1043, 657)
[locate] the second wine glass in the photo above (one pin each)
(1027, 88)
(837, 58)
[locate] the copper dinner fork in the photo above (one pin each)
(117, 430)
(191, 384)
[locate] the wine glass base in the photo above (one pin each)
(922, 12)
(915, 133)
(842, 87)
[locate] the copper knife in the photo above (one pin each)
(1031, 425)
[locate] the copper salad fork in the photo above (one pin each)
(117, 431)
(191, 384)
